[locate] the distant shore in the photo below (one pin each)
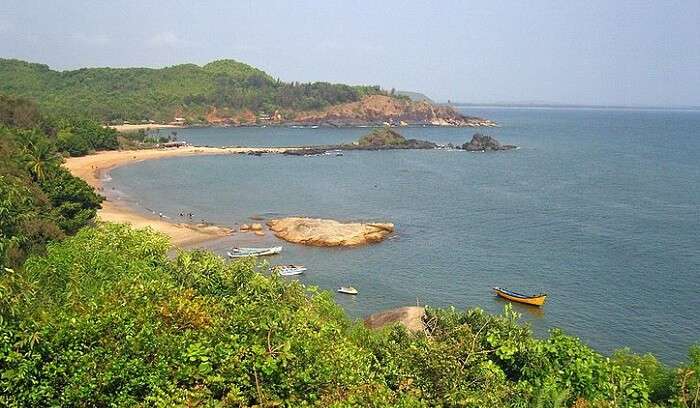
(92, 168)
(143, 126)
(293, 125)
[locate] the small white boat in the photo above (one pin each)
(348, 290)
(288, 270)
(243, 252)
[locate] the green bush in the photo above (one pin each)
(106, 318)
(39, 200)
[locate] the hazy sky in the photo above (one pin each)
(592, 52)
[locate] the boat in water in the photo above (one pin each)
(535, 300)
(348, 290)
(288, 270)
(243, 252)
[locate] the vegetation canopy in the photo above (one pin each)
(106, 318)
(141, 94)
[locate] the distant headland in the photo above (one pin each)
(220, 93)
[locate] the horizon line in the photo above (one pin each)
(570, 105)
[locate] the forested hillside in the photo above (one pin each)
(136, 94)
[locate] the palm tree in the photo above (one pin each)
(40, 157)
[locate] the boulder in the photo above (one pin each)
(386, 139)
(244, 228)
(483, 143)
(410, 317)
(328, 233)
(256, 227)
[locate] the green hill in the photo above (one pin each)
(226, 87)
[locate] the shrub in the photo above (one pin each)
(107, 318)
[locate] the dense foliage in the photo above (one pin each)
(105, 318)
(136, 94)
(75, 136)
(39, 200)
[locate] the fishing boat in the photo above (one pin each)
(348, 290)
(288, 270)
(242, 252)
(536, 300)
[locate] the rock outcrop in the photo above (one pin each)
(387, 138)
(382, 109)
(328, 233)
(307, 151)
(482, 143)
(378, 139)
(411, 317)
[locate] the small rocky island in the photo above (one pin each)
(328, 233)
(378, 139)
(483, 143)
(387, 138)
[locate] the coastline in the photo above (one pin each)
(91, 168)
(143, 126)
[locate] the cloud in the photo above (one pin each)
(167, 39)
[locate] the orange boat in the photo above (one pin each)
(536, 300)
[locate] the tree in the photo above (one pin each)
(69, 142)
(41, 158)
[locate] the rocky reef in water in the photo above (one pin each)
(386, 110)
(328, 233)
(387, 138)
(483, 143)
(378, 139)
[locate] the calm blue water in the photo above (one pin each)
(599, 208)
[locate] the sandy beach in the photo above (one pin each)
(93, 167)
(143, 126)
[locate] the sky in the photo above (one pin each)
(600, 52)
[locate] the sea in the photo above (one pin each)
(599, 208)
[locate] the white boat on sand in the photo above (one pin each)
(243, 252)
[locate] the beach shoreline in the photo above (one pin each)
(144, 126)
(92, 168)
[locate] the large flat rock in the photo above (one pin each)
(328, 233)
